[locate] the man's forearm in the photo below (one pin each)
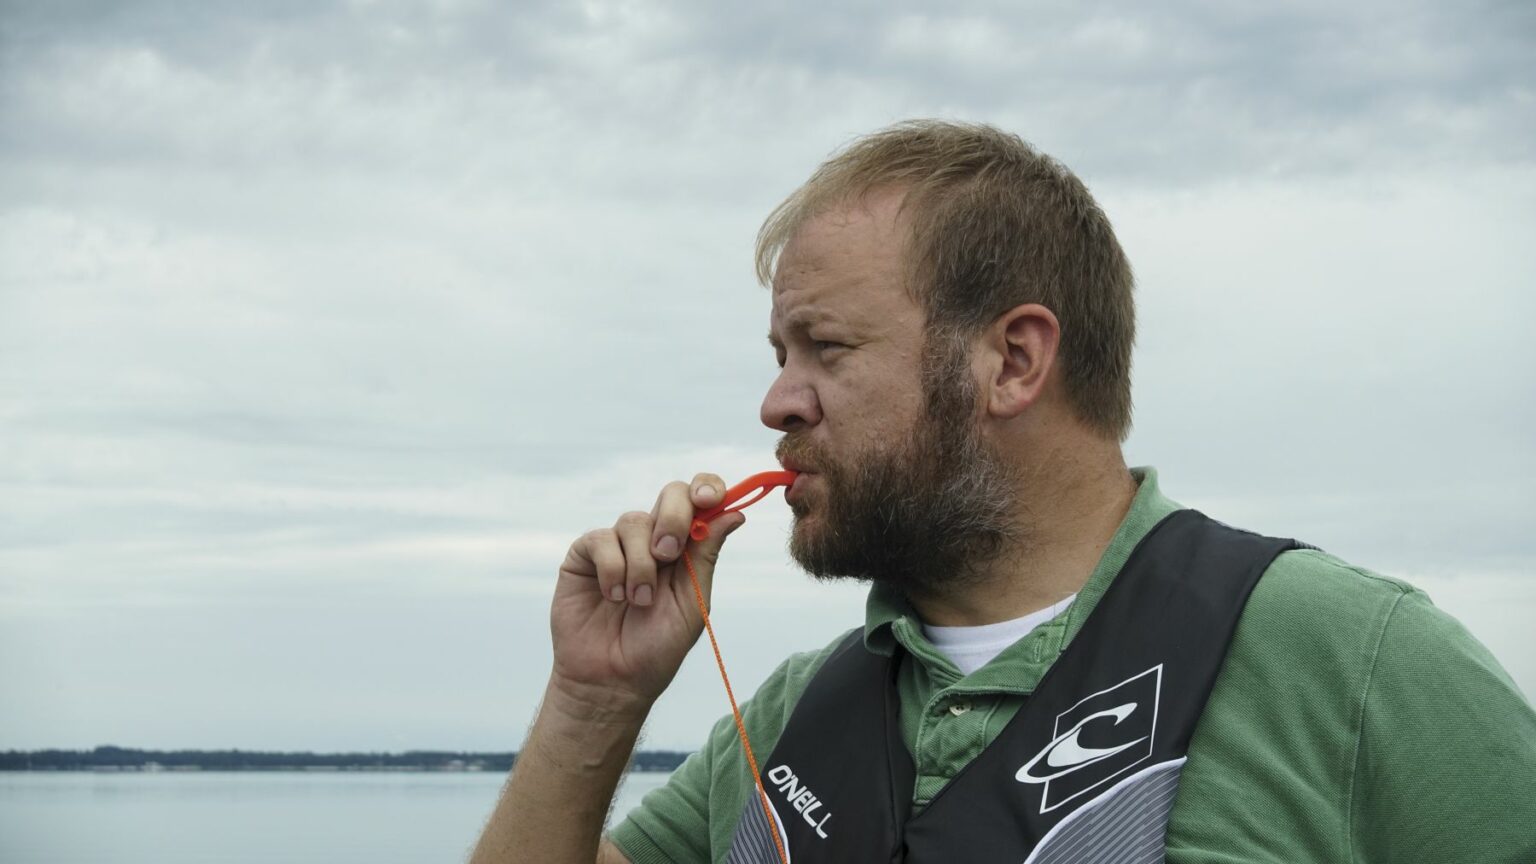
(554, 804)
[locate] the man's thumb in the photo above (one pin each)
(722, 527)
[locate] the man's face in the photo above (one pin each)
(897, 482)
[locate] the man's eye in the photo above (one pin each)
(823, 345)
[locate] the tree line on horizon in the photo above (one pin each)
(110, 758)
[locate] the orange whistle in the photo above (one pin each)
(761, 484)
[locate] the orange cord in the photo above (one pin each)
(741, 728)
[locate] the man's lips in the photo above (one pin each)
(796, 489)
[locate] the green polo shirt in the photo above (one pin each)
(1352, 721)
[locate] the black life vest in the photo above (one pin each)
(1085, 772)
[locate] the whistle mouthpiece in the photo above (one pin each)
(760, 484)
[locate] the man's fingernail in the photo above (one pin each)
(667, 547)
(616, 594)
(705, 491)
(643, 595)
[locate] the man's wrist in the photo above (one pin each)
(585, 729)
(595, 705)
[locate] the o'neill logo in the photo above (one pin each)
(800, 797)
(1097, 740)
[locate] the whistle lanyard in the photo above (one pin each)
(761, 485)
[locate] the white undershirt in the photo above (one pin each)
(971, 648)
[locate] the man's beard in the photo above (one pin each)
(923, 517)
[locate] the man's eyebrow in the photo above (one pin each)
(774, 341)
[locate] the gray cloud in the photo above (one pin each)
(1193, 90)
(352, 315)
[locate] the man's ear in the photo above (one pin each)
(1021, 350)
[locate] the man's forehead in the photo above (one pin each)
(870, 223)
(841, 267)
(851, 296)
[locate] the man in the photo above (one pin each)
(1058, 662)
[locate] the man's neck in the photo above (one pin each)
(1068, 520)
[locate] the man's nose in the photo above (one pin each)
(790, 405)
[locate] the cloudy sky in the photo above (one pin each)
(325, 328)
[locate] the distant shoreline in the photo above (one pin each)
(109, 759)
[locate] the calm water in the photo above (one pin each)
(249, 817)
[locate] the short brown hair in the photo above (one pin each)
(995, 224)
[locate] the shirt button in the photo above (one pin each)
(959, 708)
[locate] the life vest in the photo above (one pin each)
(1085, 772)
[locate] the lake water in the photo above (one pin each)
(250, 817)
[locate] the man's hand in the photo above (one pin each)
(624, 614)
(623, 618)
